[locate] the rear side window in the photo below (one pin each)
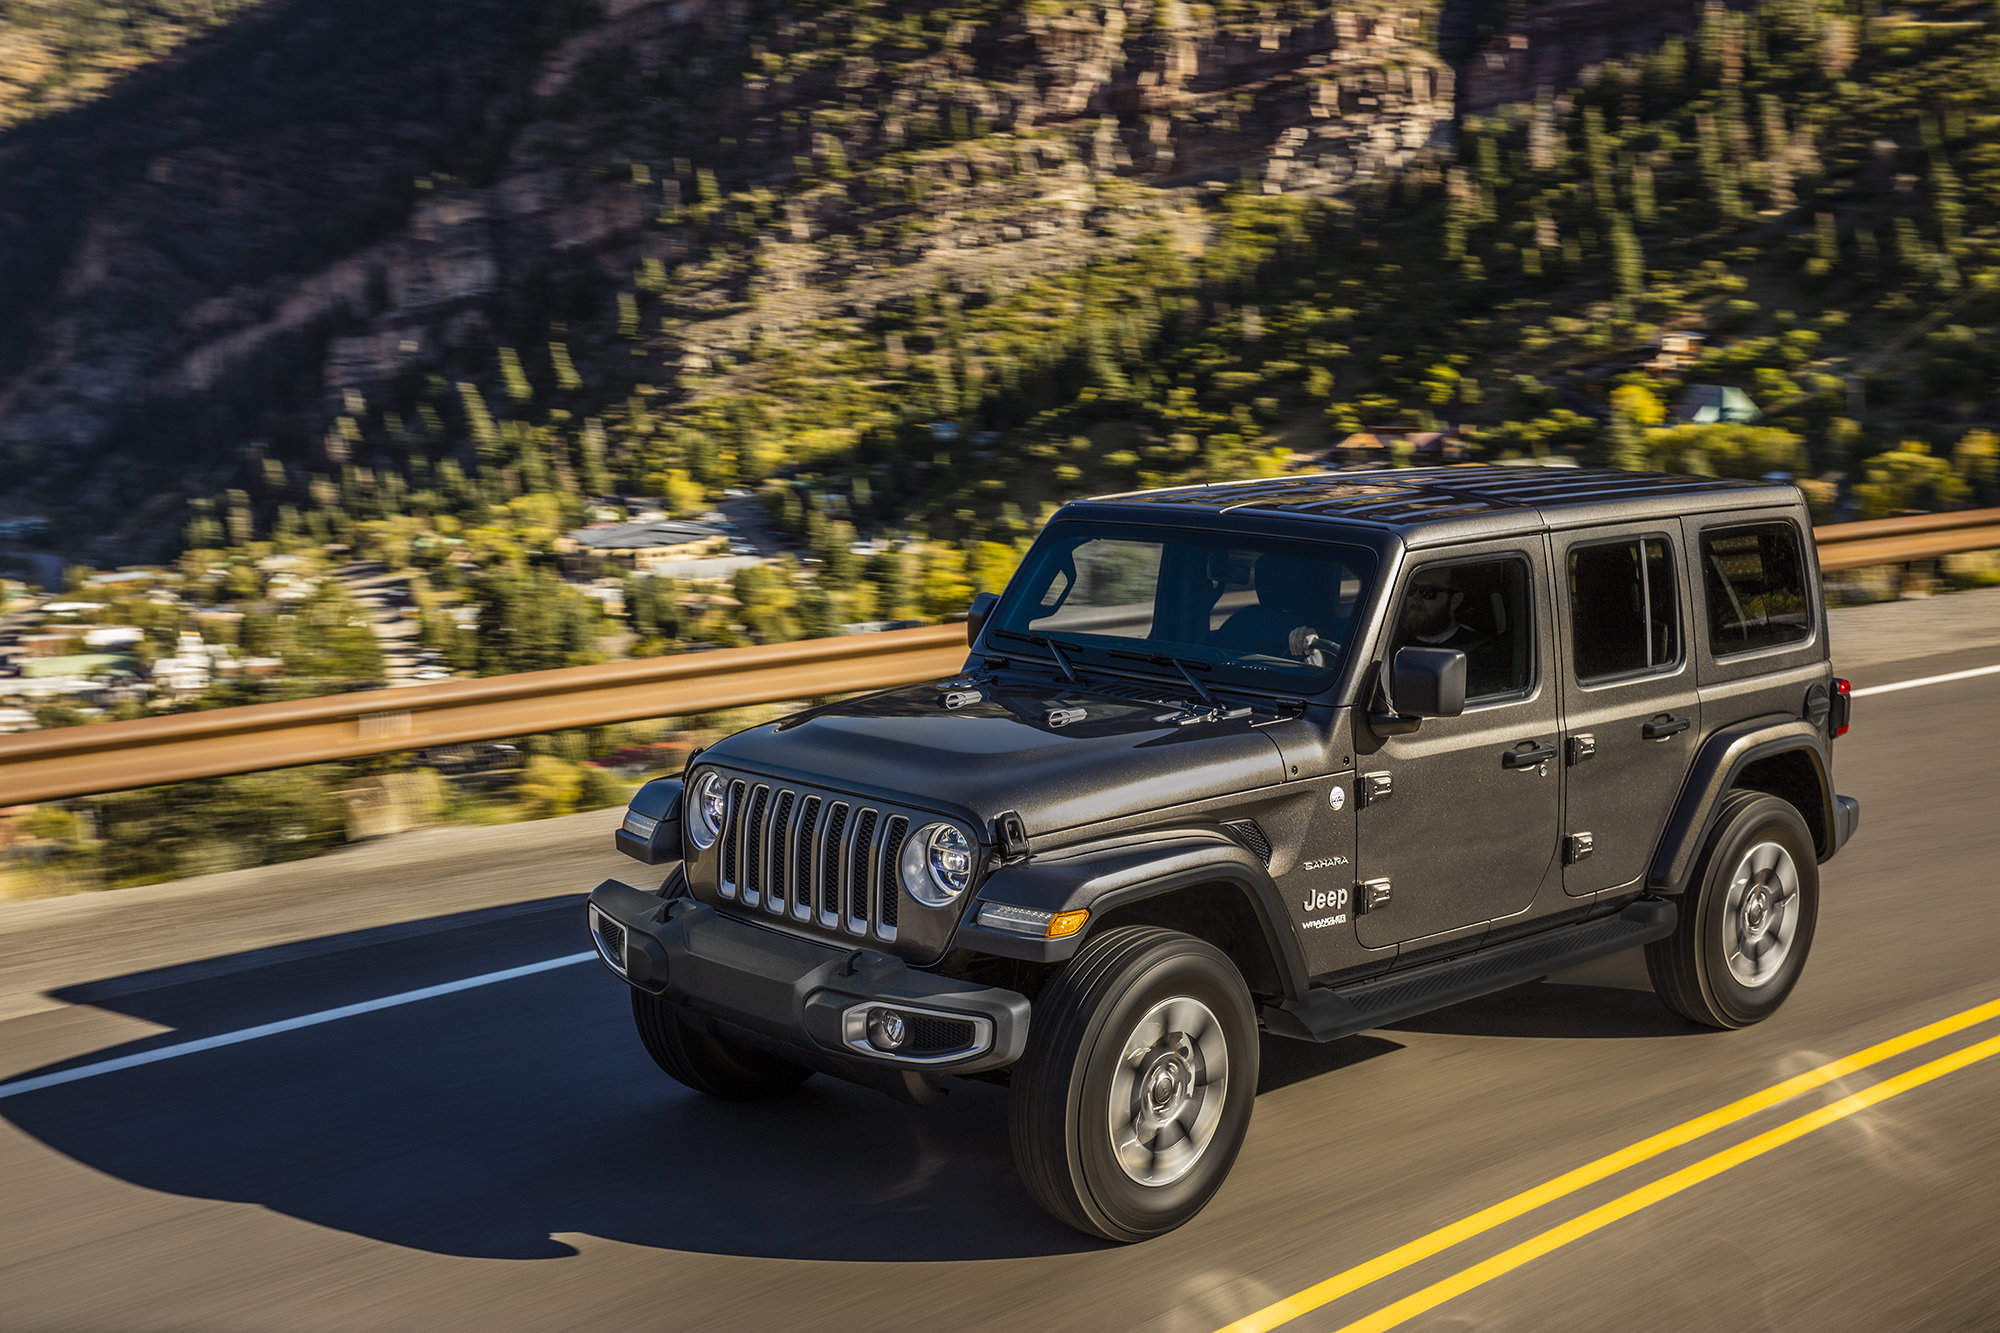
(1755, 580)
(1622, 608)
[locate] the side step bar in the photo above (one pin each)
(1327, 1015)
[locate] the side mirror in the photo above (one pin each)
(975, 616)
(1428, 682)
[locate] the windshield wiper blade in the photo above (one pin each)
(1062, 658)
(1201, 691)
(1055, 648)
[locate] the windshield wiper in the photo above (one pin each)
(1043, 641)
(1201, 691)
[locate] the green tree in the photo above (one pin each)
(531, 621)
(818, 618)
(889, 572)
(1976, 460)
(1907, 479)
(549, 787)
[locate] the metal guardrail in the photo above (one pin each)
(1895, 541)
(116, 756)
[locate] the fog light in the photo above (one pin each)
(887, 1030)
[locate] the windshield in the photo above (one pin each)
(1272, 613)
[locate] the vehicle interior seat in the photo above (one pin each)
(1291, 592)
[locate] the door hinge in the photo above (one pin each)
(1581, 747)
(1376, 787)
(1576, 847)
(1370, 895)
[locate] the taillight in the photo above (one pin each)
(1843, 708)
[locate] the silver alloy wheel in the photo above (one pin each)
(1167, 1091)
(1760, 913)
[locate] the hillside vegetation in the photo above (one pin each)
(938, 267)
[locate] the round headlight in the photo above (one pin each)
(706, 810)
(936, 864)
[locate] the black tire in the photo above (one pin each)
(1121, 986)
(714, 1065)
(1708, 970)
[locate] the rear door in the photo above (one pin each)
(1632, 712)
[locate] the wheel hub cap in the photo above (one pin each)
(1167, 1091)
(1760, 913)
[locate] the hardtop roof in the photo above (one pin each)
(1432, 504)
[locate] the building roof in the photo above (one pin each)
(639, 536)
(1447, 503)
(1706, 404)
(77, 664)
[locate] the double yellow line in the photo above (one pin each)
(1353, 1279)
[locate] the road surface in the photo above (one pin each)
(503, 1156)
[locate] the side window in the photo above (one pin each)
(1755, 581)
(1481, 606)
(1623, 616)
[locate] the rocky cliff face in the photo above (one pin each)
(1548, 49)
(316, 208)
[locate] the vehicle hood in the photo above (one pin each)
(1012, 748)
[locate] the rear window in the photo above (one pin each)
(1755, 578)
(1622, 616)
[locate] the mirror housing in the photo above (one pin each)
(651, 833)
(1428, 682)
(975, 616)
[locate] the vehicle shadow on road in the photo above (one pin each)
(1284, 1061)
(1555, 1009)
(522, 1120)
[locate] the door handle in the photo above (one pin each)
(1527, 755)
(1664, 727)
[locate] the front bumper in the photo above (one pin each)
(801, 999)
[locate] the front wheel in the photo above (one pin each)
(1133, 1097)
(1746, 923)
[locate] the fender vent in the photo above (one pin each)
(1251, 836)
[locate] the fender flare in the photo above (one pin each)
(1102, 878)
(1715, 769)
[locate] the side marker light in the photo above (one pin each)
(1065, 924)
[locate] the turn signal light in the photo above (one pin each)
(1843, 707)
(1064, 924)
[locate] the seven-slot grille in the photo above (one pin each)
(812, 857)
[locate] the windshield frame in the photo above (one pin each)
(1106, 655)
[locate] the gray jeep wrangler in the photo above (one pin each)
(1298, 757)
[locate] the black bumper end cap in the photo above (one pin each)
(1846, 820)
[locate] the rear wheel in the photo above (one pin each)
(710, 1064)
(1746, 924)
(1132, 1099)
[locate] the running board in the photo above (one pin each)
(1328, 1015)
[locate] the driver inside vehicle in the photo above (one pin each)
(1430, 614)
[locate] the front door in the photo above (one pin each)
(1459, 819)
(1629, 693)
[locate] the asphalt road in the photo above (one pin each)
(506, 1157)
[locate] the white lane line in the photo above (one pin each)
(158, 1054)
(1926, 680)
